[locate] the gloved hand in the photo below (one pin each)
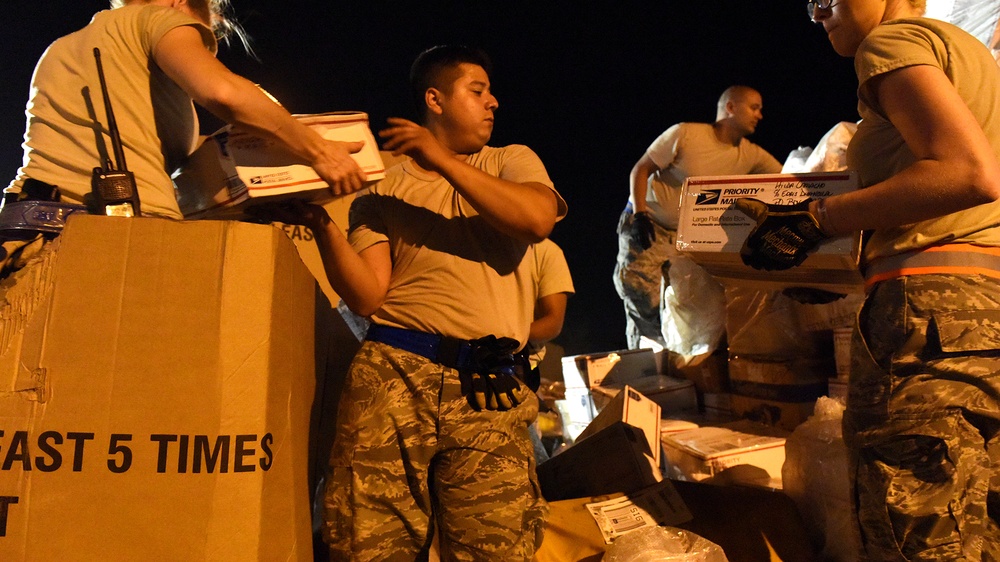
(784, 234)
(642, 232)
(489, 382)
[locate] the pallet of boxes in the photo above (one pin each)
(158, 393)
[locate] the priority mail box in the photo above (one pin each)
(712, 231)
(156, 386)
(232, 168)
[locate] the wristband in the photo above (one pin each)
(823, 217)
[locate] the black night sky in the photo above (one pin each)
(587, 85)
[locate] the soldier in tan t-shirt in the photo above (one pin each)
(440, 256)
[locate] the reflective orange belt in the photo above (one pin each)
(955, 259)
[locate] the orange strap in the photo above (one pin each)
(956, 259)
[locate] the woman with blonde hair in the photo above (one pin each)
(923, 409)
(158, 57)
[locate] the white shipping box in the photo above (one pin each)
(231, 168)
(156, 384)
(613, 367)
(630, 406)
(712, 230)
(706, 451)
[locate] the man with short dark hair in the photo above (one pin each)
(432, 434)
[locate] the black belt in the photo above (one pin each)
(450, 352)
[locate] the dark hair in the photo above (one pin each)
(434, 68)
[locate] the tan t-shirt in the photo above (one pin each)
(452, 274)
(877, 150)
(156, 119)
(692, 149)
(551, 270)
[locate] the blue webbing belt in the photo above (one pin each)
(37, 216)
(450, 352)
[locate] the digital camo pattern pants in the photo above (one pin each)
(412, 458)
(639, 279)
(923, 417)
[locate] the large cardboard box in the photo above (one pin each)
(156, 384)
(712, 231)
(232, 168)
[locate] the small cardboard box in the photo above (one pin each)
(612, 367)
(232, 168)
(712, 231)
(615, 459)
(630, 406)
(706, 451)
(156, 386)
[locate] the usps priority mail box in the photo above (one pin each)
(712, 230)
(232, 168)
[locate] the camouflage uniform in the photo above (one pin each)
(640, 279)
(412, 458)
(923, 417)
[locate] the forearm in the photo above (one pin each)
(925, 190)
(238, 101)
(525, 211)
(638, 183)
(361, 287)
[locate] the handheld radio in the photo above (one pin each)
(112, 185)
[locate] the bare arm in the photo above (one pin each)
(361, 279)
(550, 313)
(526, 211)
(185, 60)
(639, 182)
(955, 169)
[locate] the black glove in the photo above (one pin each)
(784, 234)
(642, 232)
(809, 295)
(489, 382)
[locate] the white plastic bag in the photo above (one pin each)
(656, 544)
(693, 315)
(815, 475)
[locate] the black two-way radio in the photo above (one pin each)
(112, 185)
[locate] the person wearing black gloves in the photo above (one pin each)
(432, 430)
(647, 228)
(923, 408)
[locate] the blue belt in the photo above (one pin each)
(450, 352)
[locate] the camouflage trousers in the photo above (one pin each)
(923, 417)
(640, 278)
(412, 459)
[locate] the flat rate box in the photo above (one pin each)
(712, 230)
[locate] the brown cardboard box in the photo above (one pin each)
(712, 231)
(231, 167)
(778, 392)
(156, 382)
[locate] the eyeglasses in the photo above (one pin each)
(821, 4)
